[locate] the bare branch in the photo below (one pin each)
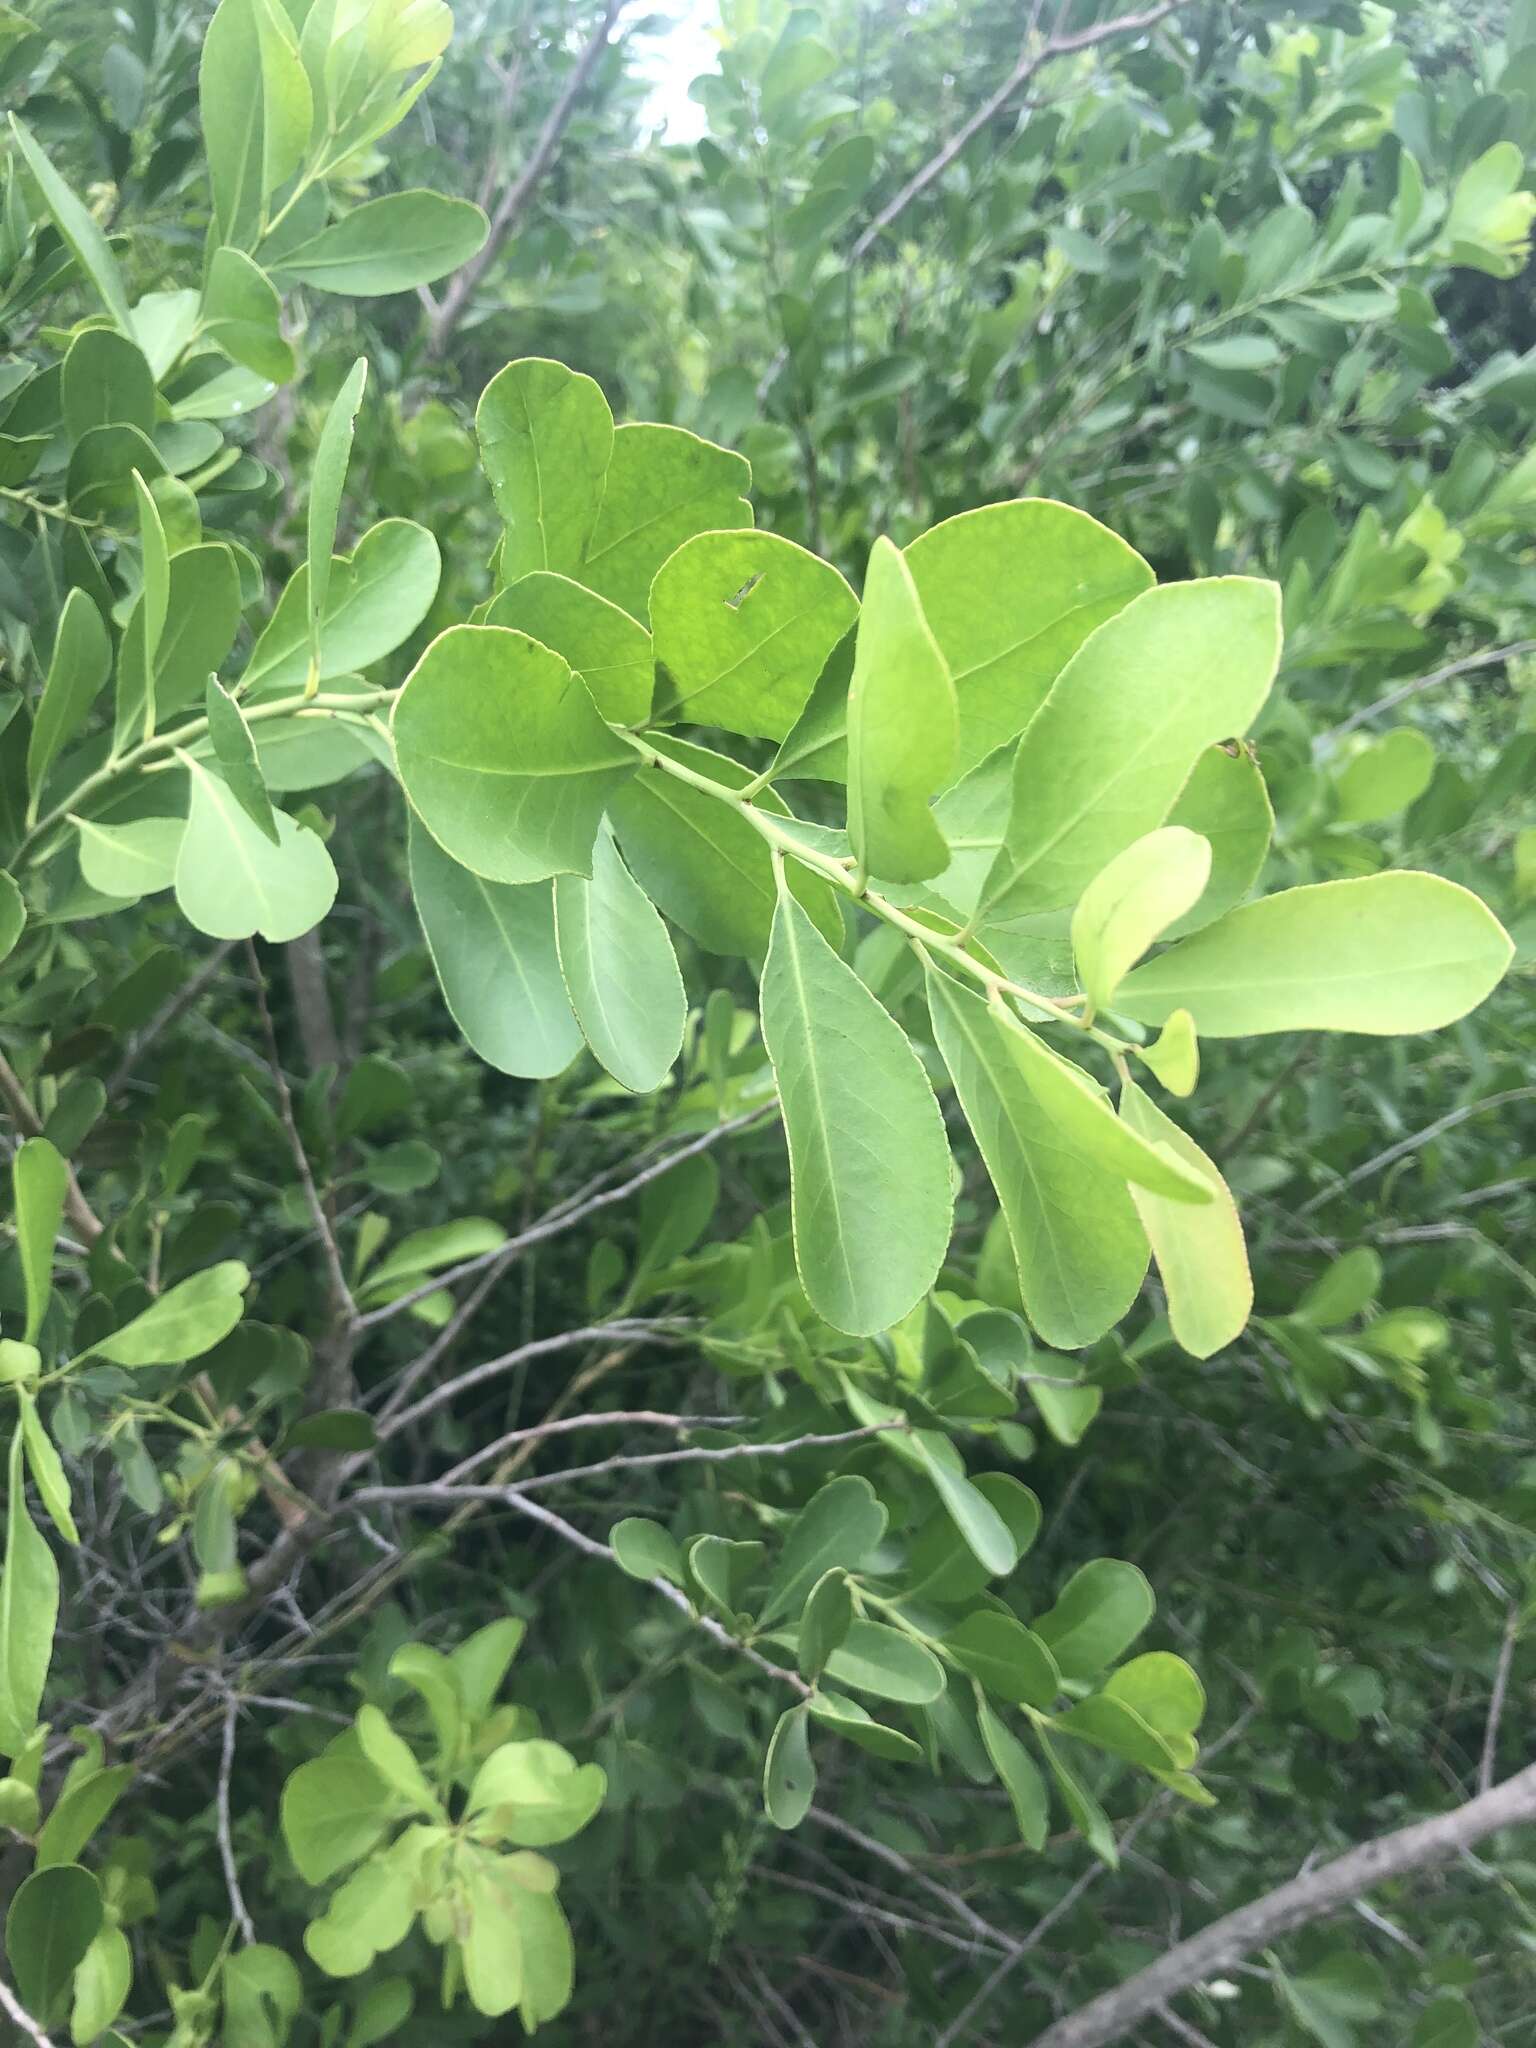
(30, 1124)
(1496, 1700)
(590, 1547)
(565, 1216)
(514, 200)
(23, 2019)
(608, 1418)
(631, 1329)
(1413, 1143)
(174, 1007)
(1306, 1898)
(237, 1904)
(1491, 657)
(1030, 61)
(344, 1307)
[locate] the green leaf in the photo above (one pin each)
(376, 597)
(106, 382)
(620, 971)
(236, 752)
(816, 745)
(1167, 1695)
(481, 1662)
(1080, 1248)
(155, 598)
(85, 240)
(1066, 1411)
(1099, 1612)
(1384, 777)
(608, 650)
(837, 1528)
(1131, 902)
(849, 1720)
(39, 1183)
(824, 1622)
(943, 1569)
(546, 436)
(78, 1812)
(81, 663)
(663, 486)
(534, 1794)
(983, 1529)
(48, 1474)
(705, 866)
(242, 312)
(426, 1251)
(744, 623)
(327, 481)
(1226, 802)
(13, 913)
(184, 1322)
(99, 480)
(867, 1244)
(231, 881)
(1085, 1812)
(1446, 2022)
(1200, 1252)
(257, 112)
(52, 1921)
(1382, 953)
(1010, 592)
(645, 1550)
(132, 860)
(1020, 1778)
(202, 619)
(1081, 1113)
(1174, 1055)
(1344, 1290)
(103, 1980)
(395, 1762)
(876, 1659)
(902, 729)
(391, 244)
(722, 1569)
(1104, 758)
(1111, 1725)
(334, 1810)
(503, 755)
(789, 1774)
(432, 1675)
(493, 949)
(1008, 1659)
(29, 1613)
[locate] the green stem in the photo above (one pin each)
(844, 874)
(148, 754)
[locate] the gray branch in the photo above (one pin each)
(1306, 1898)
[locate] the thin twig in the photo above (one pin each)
(1496, 1700)
(79, 1210)
(566, 1215)
(1490, 657)
(226, 1841)
(1030, 61)
(23, 2019)
(1306, 1898)
(609, 1418)
(173, 1008)
(341, 1294)
(590, 1547)
(624, 1329)
(1413, 1143)
(513, 202)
